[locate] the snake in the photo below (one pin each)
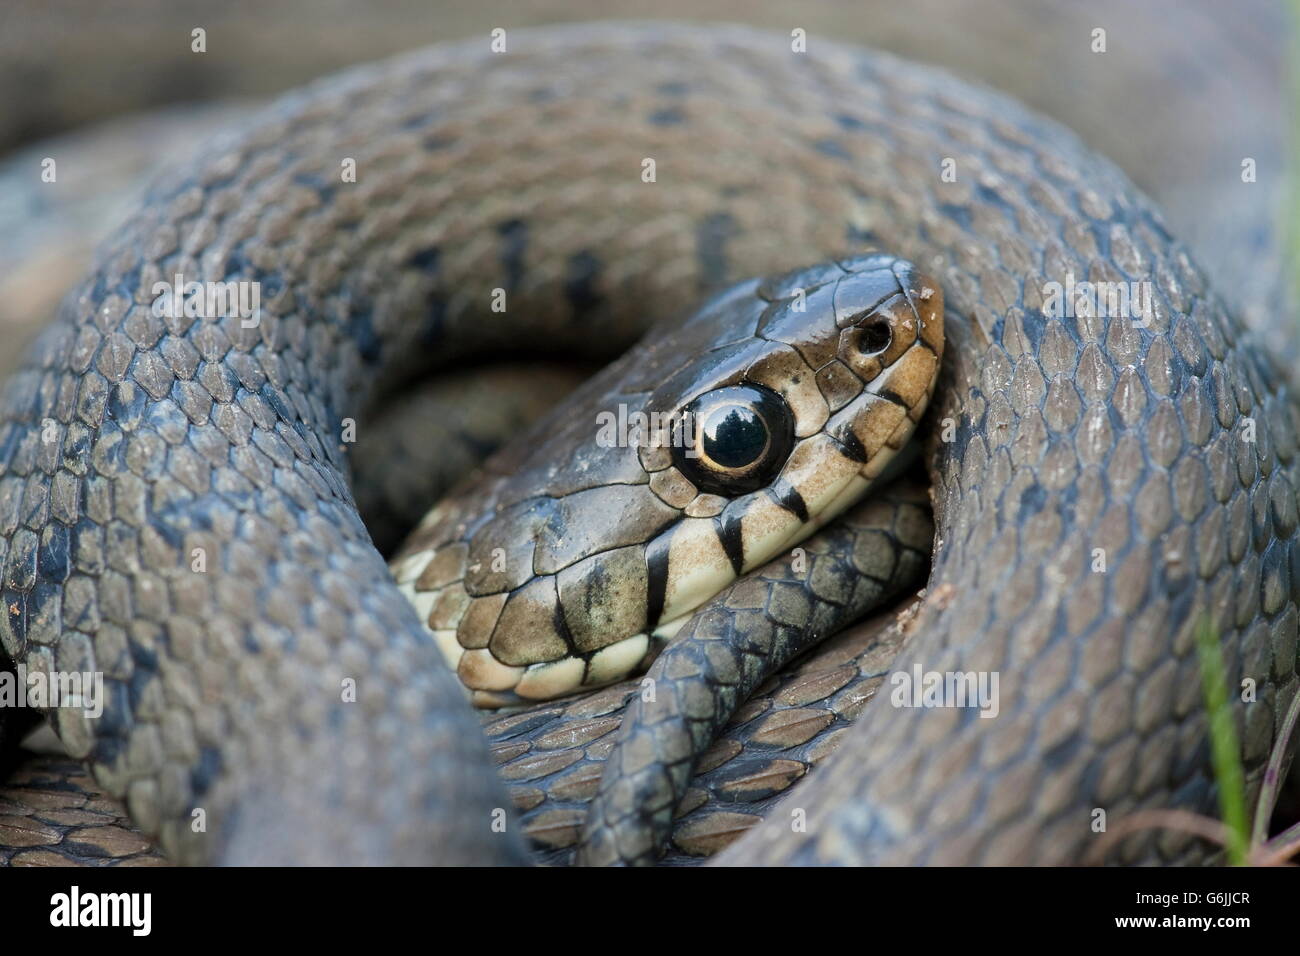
(179, 496)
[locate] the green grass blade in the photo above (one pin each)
(1224, 751)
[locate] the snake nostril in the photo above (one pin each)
(875, 337)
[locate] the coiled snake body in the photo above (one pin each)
(1099, 485)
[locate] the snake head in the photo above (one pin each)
(711, 447)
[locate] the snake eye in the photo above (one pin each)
(875, 337)
(742, 436)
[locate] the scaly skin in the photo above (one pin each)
(750, 631)
(540, 576)
(523, 172)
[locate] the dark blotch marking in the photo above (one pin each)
(109, 743)
(126, 403)
(514, 243)
(580, 275)
(205, 771)
(1032, 499)
(958, 214)
(419, 119)
(832, 148)
(1183, 600)
(891, 396)
(851, 446)
(562, 626)
(670, 116)
(788, 497)
(272, 284)
(711, 238)
(728, 528)
(145, 659)
(138, 687)
(167, 523)
(114, 723)
(361, 330)
(856, 237)
(1061, 754)
(656, 565)
(1101, 233)
(426, 260)
(435, 323)
(992, 197)
(867, 69)
(77, 446)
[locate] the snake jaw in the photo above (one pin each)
(572, 572)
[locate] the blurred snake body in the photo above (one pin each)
(1100, 486)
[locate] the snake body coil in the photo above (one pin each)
(1100, 486)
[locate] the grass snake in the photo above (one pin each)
(128, 443)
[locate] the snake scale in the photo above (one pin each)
(128, 441)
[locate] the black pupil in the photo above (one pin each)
(875, 337)
(734, 436)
